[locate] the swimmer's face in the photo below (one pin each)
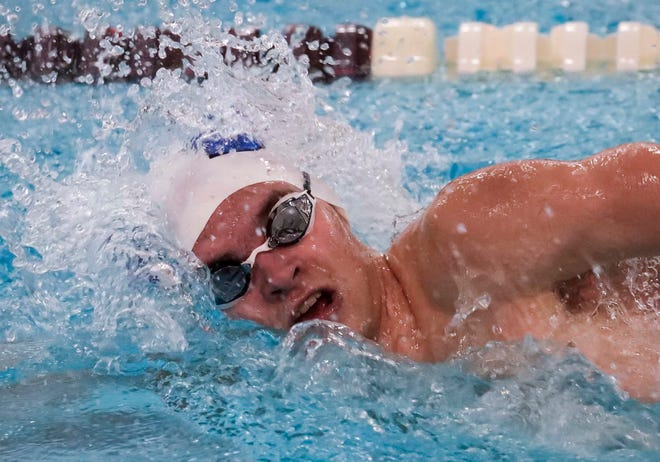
(322, 276)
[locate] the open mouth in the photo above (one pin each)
(319, 305)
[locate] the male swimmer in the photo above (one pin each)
(499, 255)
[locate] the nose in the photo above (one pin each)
(274, 274)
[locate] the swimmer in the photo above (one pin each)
(512, 250)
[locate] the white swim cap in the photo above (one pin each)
(190, 185)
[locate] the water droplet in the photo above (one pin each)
(90, 18)
(19, 114)
(313, 45)
(16, 90)
(483, 302)
(22, 194)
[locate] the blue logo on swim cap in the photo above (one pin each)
(216, 145)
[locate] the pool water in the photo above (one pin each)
(110, 346)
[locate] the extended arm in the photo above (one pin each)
(522, 226)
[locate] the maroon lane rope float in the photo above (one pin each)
(53, 56)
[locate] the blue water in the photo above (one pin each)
(110, 347)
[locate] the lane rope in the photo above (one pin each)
(395, 47)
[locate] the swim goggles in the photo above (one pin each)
(289, 220)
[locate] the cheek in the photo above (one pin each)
(333, 250)
(247, 309)
(324, 244)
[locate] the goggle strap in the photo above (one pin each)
(307, 183)
(253, 256)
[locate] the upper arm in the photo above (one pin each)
(529, 224)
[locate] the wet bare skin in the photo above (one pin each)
(514, 232)
(285, 278)
(491, 259)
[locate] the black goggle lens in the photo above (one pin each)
(230, 282)
(289, 222)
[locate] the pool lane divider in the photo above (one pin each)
(53, 56)
(396, 47)
(569, 47)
